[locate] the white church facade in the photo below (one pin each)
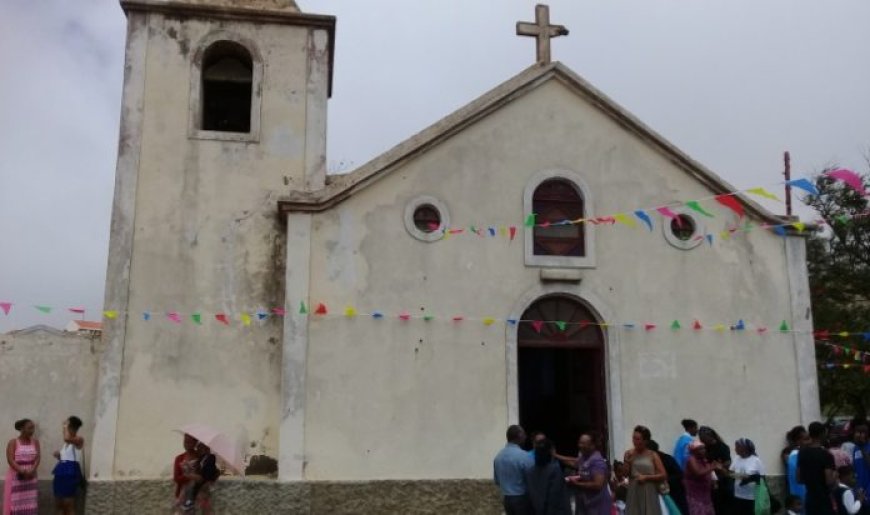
(408, 314)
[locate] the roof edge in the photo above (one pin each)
(344, 186)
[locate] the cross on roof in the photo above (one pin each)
(542, 30)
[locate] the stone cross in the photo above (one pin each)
(542, 30)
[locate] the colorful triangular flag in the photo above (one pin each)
(321, 309)
(6, 307)
(694, 205)
(197, 318)
(110, 314)
(43, 309)
(222, 318)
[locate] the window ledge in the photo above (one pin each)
(245, 137)
(565, 275)
(560, 261)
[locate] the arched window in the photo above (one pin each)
(554, 201)
(227, 87)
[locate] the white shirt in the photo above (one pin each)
(746, 467)
(852, 505)
(69, 453)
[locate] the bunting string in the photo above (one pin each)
(320, 310)
(642, 216)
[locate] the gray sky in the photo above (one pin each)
(731, 82)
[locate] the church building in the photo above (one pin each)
(540, 256)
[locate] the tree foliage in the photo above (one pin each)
(838, 257)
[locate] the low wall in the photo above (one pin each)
(46, 376)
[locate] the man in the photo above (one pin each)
(681, 448)
(535, 437)
(861, 457)
(815, 469)
(798, 437)
(509, 469)
(675, 475)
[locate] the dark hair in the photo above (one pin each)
(652, 445)
(19, 425)
(792, 500)
(513, 432)
(688, 423)
(644, 432)
(543, 452)
(709, 431)
(845, 470)
(860, 423)
(817, 430)
(747, 444)
(75, 423)
(597, 439)
(794, 434)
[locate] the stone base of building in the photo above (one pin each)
(260, 497)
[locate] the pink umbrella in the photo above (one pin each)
(219, 444)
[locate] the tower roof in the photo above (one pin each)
(266, 5)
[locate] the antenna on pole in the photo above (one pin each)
(787, 173)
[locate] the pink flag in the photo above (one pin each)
(175, 317)
(649, 327)
(6, 307)
(538, 325)
(666, 211)
(404, 315)
(80, 311)
(279, 311)
(852, 179)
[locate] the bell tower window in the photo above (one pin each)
(227, 81)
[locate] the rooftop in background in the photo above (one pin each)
(84, 326)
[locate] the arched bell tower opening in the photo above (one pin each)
(561, 371)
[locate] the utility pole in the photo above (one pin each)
(787, 173)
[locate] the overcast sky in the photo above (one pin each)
(734, 83)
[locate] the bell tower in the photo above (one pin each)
(223, 110)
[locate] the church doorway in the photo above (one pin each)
(561, 375)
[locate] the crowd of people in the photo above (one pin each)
(23, 454)
(701, 476)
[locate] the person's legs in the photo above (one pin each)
(69, 505)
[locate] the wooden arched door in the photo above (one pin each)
(561, 371)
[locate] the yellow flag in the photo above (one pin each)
(111, 315)
(246, 319)
(761, 192)
(800, 226)
(625, 219)
(845, 334)
(488, 321)
(502, 230)
(350, 311)
(719, 328)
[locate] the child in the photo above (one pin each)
(203, 470)
(794, 505)
(848, 502)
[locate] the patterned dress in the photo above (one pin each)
(699, 489)
(20, 495)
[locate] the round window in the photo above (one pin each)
(684, 230)
(683, 227)
(427, 218)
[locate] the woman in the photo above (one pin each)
(747, 471)
(181, 464)
(545, 483)
(645, 472)
(68, 471)
(698, 479)
(20, 487)
(591, 479)
(718, 452)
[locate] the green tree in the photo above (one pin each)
(838, 257)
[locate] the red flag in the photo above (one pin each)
(80, 311)
(404, 316)
(321, 309)
(458, 318)
(513, 231)
(731, 203)
(222, 318)
(649, 327)
(538, 325)
(697, 325)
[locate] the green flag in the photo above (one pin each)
(302, 309)
(676, 325)
(197, 318)
(44, 309)
(784, 327)
(530, 220)
(695, 206)
(561, 325)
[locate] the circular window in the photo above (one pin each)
(683, 227)
(426, 218)
(684, 231)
